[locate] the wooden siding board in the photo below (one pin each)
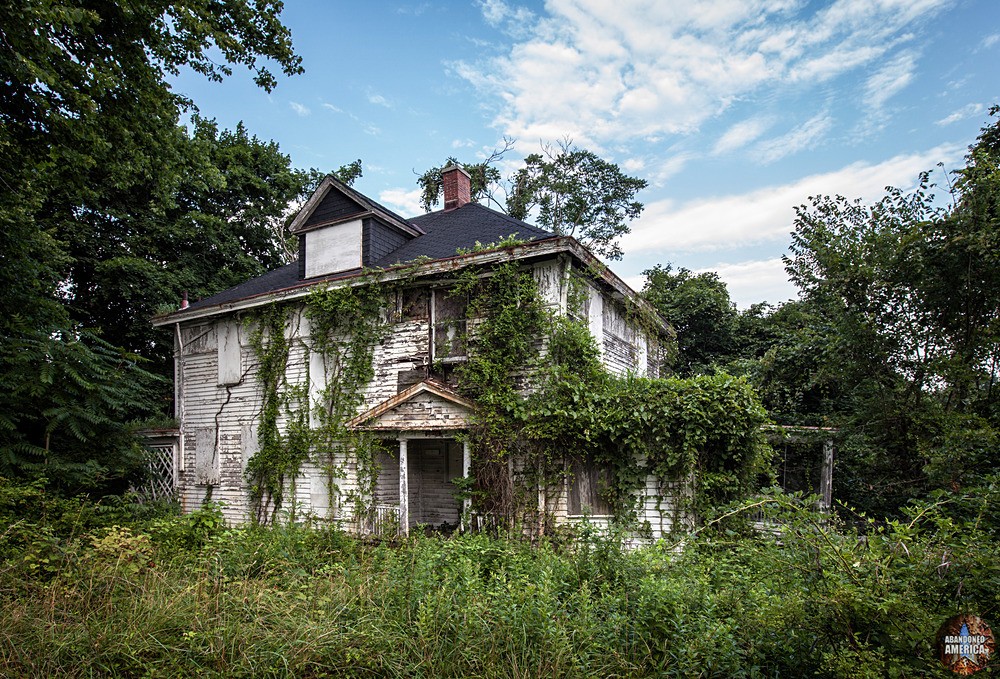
(379, 241)
(334, 206)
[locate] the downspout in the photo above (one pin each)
(179, 397)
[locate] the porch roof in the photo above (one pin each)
(427, 405)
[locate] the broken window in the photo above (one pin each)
(448, 326)
(588, 486)
(413, 304)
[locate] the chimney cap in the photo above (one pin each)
(455, 166)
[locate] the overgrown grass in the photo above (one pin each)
(98, 591)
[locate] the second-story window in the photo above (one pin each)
(448, 325)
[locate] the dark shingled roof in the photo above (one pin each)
(445, 233)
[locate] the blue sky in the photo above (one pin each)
(735, 111)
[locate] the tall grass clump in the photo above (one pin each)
(89, 589)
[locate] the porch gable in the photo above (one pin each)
(426, 406)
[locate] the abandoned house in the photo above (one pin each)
(409, 405)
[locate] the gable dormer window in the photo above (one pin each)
(334, 248)
(342, 230)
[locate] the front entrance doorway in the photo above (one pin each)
(431, 465)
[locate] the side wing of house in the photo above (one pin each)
(218, 405)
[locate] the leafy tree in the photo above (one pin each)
(90, 147)
(67, 411)
(788, 353)
(906, 295)
(485, 179)
(349, 173)
(575, 192)
(217, 225)
(699, 309)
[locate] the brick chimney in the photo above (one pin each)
(457, 186)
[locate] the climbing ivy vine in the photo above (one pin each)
(505, 318)
(544, 395)
(279, 454)
(345, 325)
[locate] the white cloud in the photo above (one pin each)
(748, 282)
(967, 111)
(497, 11)
(605, 72)
(991, 40)
(671, 166)
(889, 80)
(805, 136)
(333, 108)
(406, 202)
(634, 165)
(462, 143)
(741, 134)
(502, 15)
(300, 110)
(378, 100)
(755, 281)
(767, 215)
(414, 10)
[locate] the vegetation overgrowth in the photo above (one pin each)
(116, 589)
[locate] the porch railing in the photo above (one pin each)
(380, 520)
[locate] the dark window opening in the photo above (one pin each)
(448, 330)
(588, 487)
(414, 304)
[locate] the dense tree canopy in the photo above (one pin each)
(104, 197)
(895, 339)
(700, 311)
(905, 297)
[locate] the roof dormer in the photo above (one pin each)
(340, 229)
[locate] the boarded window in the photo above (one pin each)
(413, 304)
(588, 486)
(198, 339)
(206, 461)
(449, 327)
(229, 353)
(323, 501)
(251, 446)
(595, 313)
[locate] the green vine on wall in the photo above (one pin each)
(345, 325)
(543, 398)
(279, 454)
(703, 431)
(506, 315)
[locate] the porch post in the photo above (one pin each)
(466, 468)
(404, 490)
(826, 477)
(542, 500)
